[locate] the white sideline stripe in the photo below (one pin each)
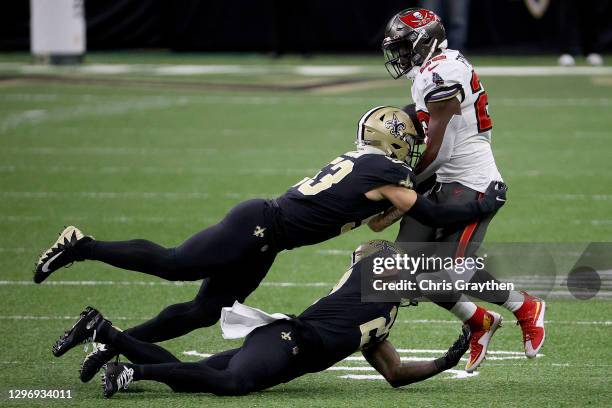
(36, 116)
(303, 70)
(542, 71)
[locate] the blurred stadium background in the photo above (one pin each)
(179, 110)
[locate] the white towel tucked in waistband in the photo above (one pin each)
(239, 320)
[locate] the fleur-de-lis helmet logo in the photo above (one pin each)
(396, 128)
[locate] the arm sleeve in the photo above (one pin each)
(446, 150)
(442, 215)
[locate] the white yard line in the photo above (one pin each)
(454, 375)
(173, 195)
(334, 252)
(440, 351)
(552, 294)
(113, 195)
(67, 169)
(25, 317)
(494, 355)
(198, 170)
(153, 283)
(301, 100)
(315, 284)
(117, 107)
(122, 219)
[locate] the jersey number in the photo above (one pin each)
(481, 105)
(375, 330)
(340, 168)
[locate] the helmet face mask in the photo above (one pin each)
(416, 151)
(412, 36)
(394, 62)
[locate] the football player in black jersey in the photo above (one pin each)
(234, 255)
(327, 332)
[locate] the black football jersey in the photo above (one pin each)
(333, 201)
(344, 323)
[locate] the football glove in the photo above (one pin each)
(456, 351)
(494, 198)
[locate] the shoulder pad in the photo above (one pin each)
(442, 78)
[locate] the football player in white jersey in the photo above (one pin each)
(452, 107)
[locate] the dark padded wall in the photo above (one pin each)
(306, 26)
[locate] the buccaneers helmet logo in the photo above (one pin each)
(395, 127)
(418, 18)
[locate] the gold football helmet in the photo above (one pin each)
(388, 129)
(371, 247)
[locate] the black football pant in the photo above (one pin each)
(232, 257)
(270, 355)
(455, 241)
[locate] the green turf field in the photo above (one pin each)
(137, 154)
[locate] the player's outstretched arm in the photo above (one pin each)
(385, 359)
(427, 212)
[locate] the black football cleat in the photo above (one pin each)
(82, 331)
(94, 361)
(61, 253)
(116, 376)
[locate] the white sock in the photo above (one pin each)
(464, 309)
(515, 301)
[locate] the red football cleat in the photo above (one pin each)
(482, 326)
(531, 319)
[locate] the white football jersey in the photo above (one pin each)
(449, 75)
